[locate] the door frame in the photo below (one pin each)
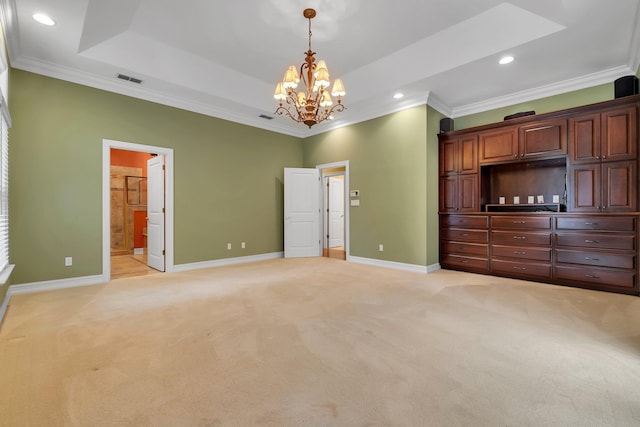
(347, 235)
(107, 145)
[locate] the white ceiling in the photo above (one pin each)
(223, 57)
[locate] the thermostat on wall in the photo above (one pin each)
(354, 193)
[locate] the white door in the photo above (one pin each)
(302, 213)
(336, 211)
(155, 212)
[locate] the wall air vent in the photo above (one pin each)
(264, 116)
(129, 79)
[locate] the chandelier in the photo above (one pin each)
(313, 103)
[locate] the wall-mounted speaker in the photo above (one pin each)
(446, 125)
(625, 86)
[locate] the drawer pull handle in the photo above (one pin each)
(519, 237)
(590, 223)
(590, 276)
(519, 268)
(591, 259)
(519, 222)
(464, 261)
(519, 252)
(592, 241)
(463, 234)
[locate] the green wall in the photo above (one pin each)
(387, 163)
(228, 177)
(433, 126)
(544, 105)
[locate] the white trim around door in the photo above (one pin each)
(107, 145)
(343, 164)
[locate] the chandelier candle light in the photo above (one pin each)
(313, 104)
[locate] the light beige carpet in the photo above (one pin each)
(320, 342)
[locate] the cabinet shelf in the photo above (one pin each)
(529, 207)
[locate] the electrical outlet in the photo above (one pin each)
(243, 245)
(380, 247)
(68, 261)
(228, 246)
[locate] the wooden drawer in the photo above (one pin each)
(533, 254)
(598, 241)
(521, 268)
(469, 249)
(520, 238)
(461, 235)
(465, 263)
(465, 221)
(598, 259)
(599, 276)
(601, 223)
(521, 222)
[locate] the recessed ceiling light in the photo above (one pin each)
(506, 60)
(44, 19)
(398, 95)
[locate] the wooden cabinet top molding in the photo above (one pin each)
(521, 121)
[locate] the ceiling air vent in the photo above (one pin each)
(264, 116)
(129, 79)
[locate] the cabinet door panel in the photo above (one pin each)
(499, 146)
(544, 139)
(448, 157)
(584, 137)
(449, 194)
(619, 186)
(468, 193)
(469, 154)
(619, 134)
(584, 188)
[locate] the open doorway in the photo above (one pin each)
(137, 209)
(334, 213)
(335, 185)
(129, 213)
(307, 212)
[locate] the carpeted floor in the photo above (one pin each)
(320, 342)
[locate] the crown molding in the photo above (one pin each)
(559, 88)
(634, 49)
(10, 26)
(438, 104)
(98, 82)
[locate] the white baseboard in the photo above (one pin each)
(138, 251)
(392, 264)
(49, 285)
(433, 267)
(227, 261)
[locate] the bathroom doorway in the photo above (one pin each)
(128, 192)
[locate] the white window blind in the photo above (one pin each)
(4, 193)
